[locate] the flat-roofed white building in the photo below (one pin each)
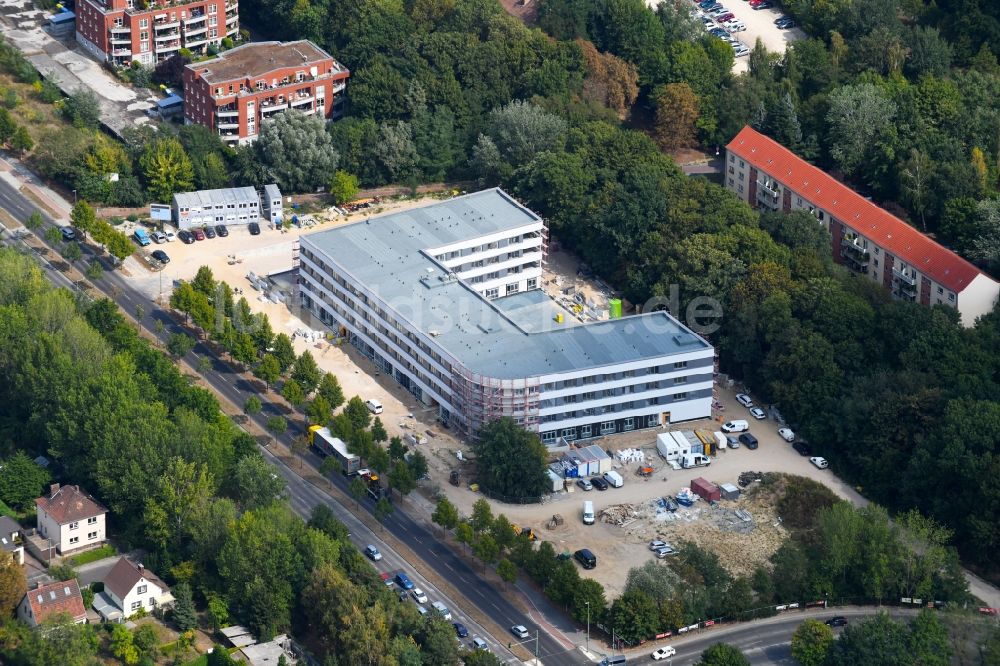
(446, 300)
(229, 206)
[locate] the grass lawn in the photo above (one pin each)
(93, 555)
(200, 661)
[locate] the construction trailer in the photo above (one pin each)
(326, 444)
(706, 490)
(729, 491)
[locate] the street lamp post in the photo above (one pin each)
(588, 626)
(74, 197)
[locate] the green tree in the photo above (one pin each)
(122, 645)
(284, 352)
(464, 533)
(859, 116)
(277, 425)
(343, 187)
(722, 654)
(60, 642)
(511, 460)
(83, 109)
(94, 271)
(13, 585)
(306, 372)
(21, 141)
(486, 549)
(34, 221)
(811, 642)
(872, 642)
(318, 410)
(296, 151)
(330, 389)
(269, 370)
(445, 513)
(397, 450)
(53, 235)
(383, 509)
(167, 168)
(181, 491)
(359, 414)
(254, 483)
(292, 392)
(634, 615)
(218, 611)
(21, 481)
(357, 489)
(482, 516)
(401, 478)
(378, 431)
(930, 644)
(180, 344)
(330, 465)
(418, 465)
(252, 406)
(676, 115)
(507, 570)
(520, 130)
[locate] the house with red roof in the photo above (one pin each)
(44, 601)
(70, 519)
(867, 239)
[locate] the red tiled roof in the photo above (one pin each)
(59, 597)
(124, 576)
(69, 504)
(881, 227)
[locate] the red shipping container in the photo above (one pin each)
(706, 490)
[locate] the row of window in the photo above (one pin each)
(90, 537)
(624, 374)
(90, 521)
(604, 428)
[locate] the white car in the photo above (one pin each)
(739, 425)
(786, 434)
(656, 545)
(744, 400)
(372, 553)
(170, 236)
(742, 51)
(520, 631)
(819, 462)
(419, 595)
(421, 610)
(758, 413)
(664, 652)
(666, 551)
(735, 27)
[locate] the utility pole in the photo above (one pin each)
(536, 646)
(588, 626)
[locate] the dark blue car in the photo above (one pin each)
(460, 630)
(404, 581)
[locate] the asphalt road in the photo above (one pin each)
(304, 496)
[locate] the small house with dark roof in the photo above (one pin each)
(11, 540)
(44, 601)
(128, 588)
(71, 519)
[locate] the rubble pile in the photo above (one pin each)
(621, 514)
(746, 478)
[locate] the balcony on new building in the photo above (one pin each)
(267, 108)
(300, 99)
(229, 111)
(161, 24)
(171, 35)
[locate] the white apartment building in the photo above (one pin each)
(446, 299)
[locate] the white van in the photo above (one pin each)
(441, 609)
(374, 406)
(614, 479)
(588, 513)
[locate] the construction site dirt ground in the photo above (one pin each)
(617, 548)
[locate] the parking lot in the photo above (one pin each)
(759, 25)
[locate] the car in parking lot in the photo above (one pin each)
(520, 631)
(418, 595)
(837, 621)
(666, 551)
(386, 578)
(819, 461)
(160, 256)
(717, 32)
(221, 230)
(786, 434)
(761, 5)
(404, 581)
(736, 26)
(169, 235)
(749, 441)
(802, 448)
(585, 484)
(159, 237)
(441, 609)
(728, 16)
(732, 442)
(785, 23)
(737, 425)
(422, 610)
(758, 413)
(479, 644)
(68, 233)
(186, 237)
(460, 630)
(199, 234)
(741, 51)
(254, 229)
(209, 232)
(656, 545)
(372, 553)
(663, 653)
(599, 483)
(744, 400)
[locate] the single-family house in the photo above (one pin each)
(44, 601)
(129, 588)
(71, 519)
(10, 539)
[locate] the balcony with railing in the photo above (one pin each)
(193, 30)
(229, 137)
(120, 30)
(300, 99)
(169, 46)
(196, 16)
(267, 108)
(768, 198)
(167, 36)
(118, 53)
(121, 39)
(855, 256)
(165, 24)
(227, 111)
(904, 279)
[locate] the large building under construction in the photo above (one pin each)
(446, 299)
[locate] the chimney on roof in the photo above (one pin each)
(140, 567)
(38, 584)
(53, 489)
(76, 488)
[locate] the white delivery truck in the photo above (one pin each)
(614, 479)
(720, 440)
(588, 513)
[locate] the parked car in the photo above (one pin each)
(221, 230)
(185, 237)
(479, 644)
(585, 484)
(68, 233)
(728, 16)
(170, 236)
(254, 229)
(372, 553)
(599, 483)
(209, 232)
(160, 256)
(520, 631)
(718, 32)
(762, 5)
(159, 237)
(422, 610)
(404, 581)
(666, 551)
(781, 18)
(663, 653)
(819, 462)
(460, 630)
(586, 558)
(656, 545)
(738, 26)
(837, 621)
(758, 413)
(749, 441)
(785, 24)
(442, 610)
(732, 442)
(744, 400)
(199, 234)
(786, 434)
(739, 425)
(418, 595)
(802, 448)
(741, 51)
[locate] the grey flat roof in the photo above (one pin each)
(509, 338)
(261, 58)
(212, 197)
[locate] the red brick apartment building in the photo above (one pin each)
(235, 93)
(866, 238)
(122, 31)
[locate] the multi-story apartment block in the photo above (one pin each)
(866, 238)
(446, 299)
(123, 31)
(235, 93)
